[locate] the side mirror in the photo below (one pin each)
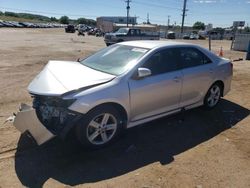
(143, 72)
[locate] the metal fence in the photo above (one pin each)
(241, 42)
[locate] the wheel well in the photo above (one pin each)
(221, 84)
(118, 107)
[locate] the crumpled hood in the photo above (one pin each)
(59, 77)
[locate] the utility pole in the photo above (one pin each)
(128, 7)
(148, 19)
(168, 21)
(183, 15)
(167, 27)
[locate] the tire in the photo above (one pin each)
(213, 96)
(100, 127)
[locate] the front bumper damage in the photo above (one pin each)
(27, 120)
(48, 117)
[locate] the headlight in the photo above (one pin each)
(52, 101)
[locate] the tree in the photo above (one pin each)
(81, 21)
(247, 29)
(53, 19)
(64, 20)
(199, 26)
(1, 13)
(12, 14)
(86, 21)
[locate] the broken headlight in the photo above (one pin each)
(53, 112)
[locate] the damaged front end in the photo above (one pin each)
(26, 120)
(54, 114)
(48, 117)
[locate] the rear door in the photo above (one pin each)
(198, 73)
(134, 34)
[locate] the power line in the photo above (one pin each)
(215, 13)
(155, 5)
(173, 1)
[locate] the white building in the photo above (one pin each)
(105, 23)
(209, 27)
(117, 19)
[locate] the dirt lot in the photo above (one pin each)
(196, 149)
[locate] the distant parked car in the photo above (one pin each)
(129, 34)
(122, 86)
(28, 24)
(70, 29)
(171, 35)
(81, 27)
(92, 31)
(15, 24)
(1, 23)
(7, 24)
(81, 32)
(186, 36)
(193, 36)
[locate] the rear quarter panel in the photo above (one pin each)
(224, 73)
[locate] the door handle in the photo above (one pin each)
(211, 70)
(176, 78)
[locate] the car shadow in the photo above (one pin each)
(160, 140)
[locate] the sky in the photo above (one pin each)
(221, 13)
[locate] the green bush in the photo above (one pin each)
(64, 20)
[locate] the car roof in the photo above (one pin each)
(150, 44)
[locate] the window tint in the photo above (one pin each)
(191, 57)
(133, 32)
(162, 62)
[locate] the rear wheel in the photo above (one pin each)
(213, 96)
(100, 127)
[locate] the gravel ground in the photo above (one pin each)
(195, 149)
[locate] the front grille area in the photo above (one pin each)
(53, 112)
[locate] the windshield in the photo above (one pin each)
(122, 30)
(115, 59)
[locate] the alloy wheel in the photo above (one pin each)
(101, 129)
(214, 96)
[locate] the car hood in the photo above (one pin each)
(59, 77)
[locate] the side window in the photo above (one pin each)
(191, 57)
(132, 32)
(163, 62)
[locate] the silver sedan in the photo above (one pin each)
(122, 86)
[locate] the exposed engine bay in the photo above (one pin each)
(53, 112)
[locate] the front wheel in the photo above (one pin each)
(213, 96)
(100, 127)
